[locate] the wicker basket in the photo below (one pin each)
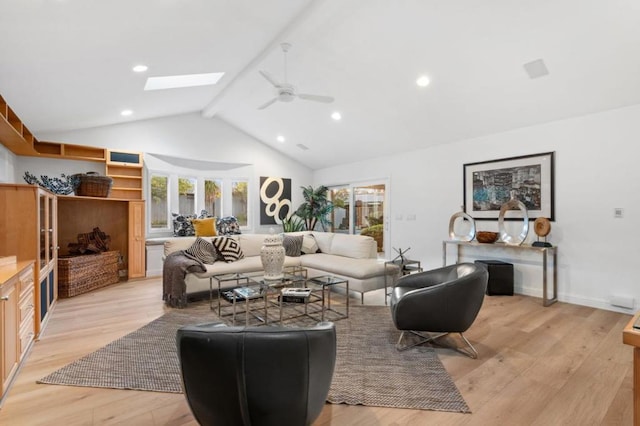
(81, 274)
(93, 185)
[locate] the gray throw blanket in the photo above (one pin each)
(175, 268)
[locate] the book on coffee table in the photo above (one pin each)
(295, 294)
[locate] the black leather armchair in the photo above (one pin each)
(440, 301)
(256, 375)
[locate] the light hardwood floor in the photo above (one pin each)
(561, 365)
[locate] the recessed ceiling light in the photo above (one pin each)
(186, 80)
(280, 139)
(423, 81)
(140, 68)
(336, 116)
(126, 112)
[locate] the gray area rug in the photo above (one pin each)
(369, 370)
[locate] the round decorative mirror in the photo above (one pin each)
(514, 240)
(468, 236)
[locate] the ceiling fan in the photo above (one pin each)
(287, 92)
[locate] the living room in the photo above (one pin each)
(415, 139)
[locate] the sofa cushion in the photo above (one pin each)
(324, 241)
(346, 266)
(229, 248)
(251, 244)
(292, 244)
(203, 250)
(355, 246)
(175, 244)
(309, 244)
(247, 264)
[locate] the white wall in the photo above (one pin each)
(7, 165)
(596, 171)
(186, 136)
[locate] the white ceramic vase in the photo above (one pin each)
(272, 257)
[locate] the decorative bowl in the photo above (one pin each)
(486, 237)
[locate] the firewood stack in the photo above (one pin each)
(91, 243)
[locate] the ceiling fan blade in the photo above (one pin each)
(317, 98)
(269, 78)
(266, 104)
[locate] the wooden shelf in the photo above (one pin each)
(13, 133)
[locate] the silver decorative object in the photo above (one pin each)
(504, 235)
(462, 237)
(272, 257)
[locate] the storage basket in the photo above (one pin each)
(81, 274)
(93, 185)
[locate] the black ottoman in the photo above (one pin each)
(500, 277)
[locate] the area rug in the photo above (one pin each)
(369, 370)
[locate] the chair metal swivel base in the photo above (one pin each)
(469, 351)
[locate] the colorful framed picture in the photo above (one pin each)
(490, 184)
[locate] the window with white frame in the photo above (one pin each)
(159, 201)
(213, 197)
(187, 195)
(239, 201)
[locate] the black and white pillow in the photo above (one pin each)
(228, 248)
(203, 250)
(292, 245)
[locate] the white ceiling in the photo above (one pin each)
(66, 64)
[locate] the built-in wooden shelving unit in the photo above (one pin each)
(125, 168)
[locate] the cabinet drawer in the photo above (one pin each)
(26, 307)
(27, 332)
(26, 281)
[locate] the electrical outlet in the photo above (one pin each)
(618, 213)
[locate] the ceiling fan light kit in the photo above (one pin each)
(286, 92)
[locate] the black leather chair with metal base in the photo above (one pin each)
(256, 375)
(439, 302)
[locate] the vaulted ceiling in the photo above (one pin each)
(66, 64)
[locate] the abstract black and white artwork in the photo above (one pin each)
(275, 200)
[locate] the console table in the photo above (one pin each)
(544, 252)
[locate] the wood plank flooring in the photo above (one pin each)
(561, 365)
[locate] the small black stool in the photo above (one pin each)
(500, 277)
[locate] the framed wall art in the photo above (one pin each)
(275, 200)
(490, 184)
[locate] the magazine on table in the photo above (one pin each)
(295, 294)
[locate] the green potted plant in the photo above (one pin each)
(316, 207)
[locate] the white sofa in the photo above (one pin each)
(353, 257)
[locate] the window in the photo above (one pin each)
(159, 208)
(239, 201)
(213, 197)
(187, 195)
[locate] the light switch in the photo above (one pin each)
(618, 213)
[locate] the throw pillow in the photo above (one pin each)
(292, 245)
(205, 227)
(203, 250)
(228, 248)
(309, 245)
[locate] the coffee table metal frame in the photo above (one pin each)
(326, 282)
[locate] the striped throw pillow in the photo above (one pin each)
(292, 245)
(203, 250)
(228, 248)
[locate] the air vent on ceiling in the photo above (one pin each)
(536, 69)
(302, 147)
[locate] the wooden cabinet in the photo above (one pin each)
(17, 328)
(125, 168)
(137, 267)
(123, 220)
(13, 133)
(28, 224)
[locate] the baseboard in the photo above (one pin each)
(576, 300)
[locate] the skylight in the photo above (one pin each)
(186, 80)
